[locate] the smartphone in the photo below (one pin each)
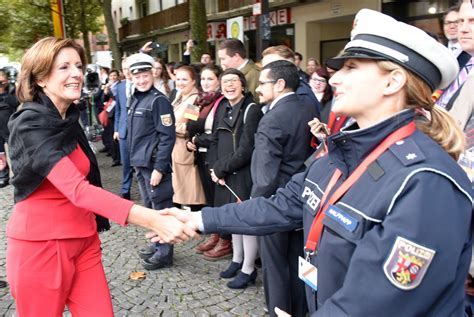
(325, 129)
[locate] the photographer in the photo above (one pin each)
(8, 105)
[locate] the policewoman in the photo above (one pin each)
(151, 140)
(387, 213)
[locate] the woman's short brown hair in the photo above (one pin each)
(37, 63)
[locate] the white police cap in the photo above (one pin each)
(139, 62)
(378, 36)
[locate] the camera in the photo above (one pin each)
(155, 45)
(92, 82)
(158, 47)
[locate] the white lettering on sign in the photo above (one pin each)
(279, 17)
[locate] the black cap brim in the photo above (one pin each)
(337, 62)
(140, 70)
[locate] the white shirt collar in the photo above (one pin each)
(278, 98)
(246, 61)
(455, 48)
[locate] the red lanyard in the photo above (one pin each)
(317, 226)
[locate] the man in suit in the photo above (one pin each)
(450, 30)
(298, 59)
(282, 144)
(465, 59)
(303, 91)
(232, 54)
(124, 92)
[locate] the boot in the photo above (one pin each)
(222, 250)
(208, 244)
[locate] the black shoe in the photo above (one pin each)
(147, 251)
(115, 164)
(243, 280)
(108, 154)
(3, 284)
(126, 196)
(103, 150)
(155, 262)
(231, 271)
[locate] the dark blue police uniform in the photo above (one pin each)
(398, 243)
(151, 140)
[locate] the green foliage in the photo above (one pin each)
(23, 22)
(72, 17)
(198, 25)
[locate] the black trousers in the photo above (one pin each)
(156, 197)
(283, 288)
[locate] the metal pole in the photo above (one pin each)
(263, 29)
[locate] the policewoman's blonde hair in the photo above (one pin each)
(441, 127)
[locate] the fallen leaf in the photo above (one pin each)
(137, 276)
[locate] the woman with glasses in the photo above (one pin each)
(235, 124)
(322, 90)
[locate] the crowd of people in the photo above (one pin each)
(325, 176)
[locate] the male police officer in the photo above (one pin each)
(151, 140)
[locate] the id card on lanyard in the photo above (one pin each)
(307, 272)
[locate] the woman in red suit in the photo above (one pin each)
(53, 253)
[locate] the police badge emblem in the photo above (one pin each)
(407, 263)
(166, 120)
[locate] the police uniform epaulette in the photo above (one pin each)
(407, 151)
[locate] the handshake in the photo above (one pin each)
(173, 225)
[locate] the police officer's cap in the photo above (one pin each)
(140, 62)
(380, 37)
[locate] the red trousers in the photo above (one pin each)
(45, 276)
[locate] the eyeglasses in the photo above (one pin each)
(230, 80)
(451, 23)
(322, 80)
(261, 83)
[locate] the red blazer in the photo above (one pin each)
(62, 206)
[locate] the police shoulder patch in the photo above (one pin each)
(407, 263)
(407, 151)
(166, 120)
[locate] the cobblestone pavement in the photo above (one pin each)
(191, 287)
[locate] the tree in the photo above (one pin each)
(198, 25)
(109, 24)
(80, 18)
(23, 22)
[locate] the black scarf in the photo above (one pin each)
(39, 139)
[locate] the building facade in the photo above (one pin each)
(314, 28)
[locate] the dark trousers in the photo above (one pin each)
(115, 147)
(283, 288)
(156, 197)
(127, 175)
